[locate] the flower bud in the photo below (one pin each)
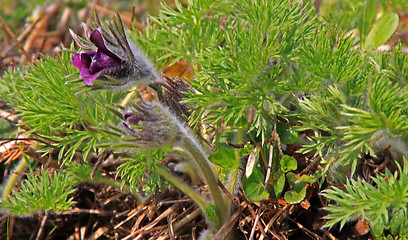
(111, 60)
(150, 125)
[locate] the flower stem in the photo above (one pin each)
(13, 178)
(200, 157)
(184, 188)
(233, 177)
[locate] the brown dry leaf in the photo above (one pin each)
(361, 228)
(37, 37)
(10, 151)
(305, 204)
(147, 94)
(182, 69)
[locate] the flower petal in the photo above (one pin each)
(86, 58)
(88, 76)
(101, 61)
(76, 61)
(97, 39)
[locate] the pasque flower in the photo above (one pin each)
(93, 64)
(110, 59)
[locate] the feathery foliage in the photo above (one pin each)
(52, 108)
(42, 192)
(259, 65)
(383, 205)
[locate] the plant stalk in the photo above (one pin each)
(183, 187)
(200, 157)
(13, 178)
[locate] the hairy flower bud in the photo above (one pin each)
(110, 59)
(150, 125)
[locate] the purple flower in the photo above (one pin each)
(91, 63)
(111, 60)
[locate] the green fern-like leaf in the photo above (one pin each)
(41, 192)
(377, 204)
(140, 172)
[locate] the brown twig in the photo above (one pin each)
(226, 228)
(11, 34)
(326, 232)
(170, 224)
(307, 231)
(187, 219)
(308, 167)
(258, 214)
(41, 230)
(98, 163)
(31, 152)
(22, 36)
(150, 227)
(273, 219)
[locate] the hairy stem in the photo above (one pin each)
(183, 187)
(233, 177)
(201, 159)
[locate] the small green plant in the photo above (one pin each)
(42, 192)
(384, 205)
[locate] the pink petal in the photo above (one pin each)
(88, 77)
(76, 61)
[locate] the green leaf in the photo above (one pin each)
(306, 179)
(377, 228)
(287, 133)
(382, 30)
(279, 185)
(298, 191)
(296, 194)
(288, 163)
(291, 177)
(398, 223)
(225, 157)
(365, 17)
(254, 186)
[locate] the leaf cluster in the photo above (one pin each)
(383, 205)
(140, 170)
(238, 65)
(42, 192)
(360, 115)
(255, 62)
